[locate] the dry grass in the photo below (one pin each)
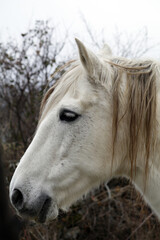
(123, 216)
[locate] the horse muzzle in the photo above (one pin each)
(36, 209)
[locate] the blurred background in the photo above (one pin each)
(36, 38)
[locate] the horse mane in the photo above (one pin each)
(140, 109)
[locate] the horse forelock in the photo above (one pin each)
(139, 112)
(61, 87)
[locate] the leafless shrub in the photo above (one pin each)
(24, 74)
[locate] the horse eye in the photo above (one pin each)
(68, 115)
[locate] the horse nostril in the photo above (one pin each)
(17, 199)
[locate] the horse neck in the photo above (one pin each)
(150, 189)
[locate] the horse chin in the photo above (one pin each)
(44, 217)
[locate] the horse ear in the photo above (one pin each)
(89, 60)
(106, 50)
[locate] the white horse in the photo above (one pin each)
(100, 120)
